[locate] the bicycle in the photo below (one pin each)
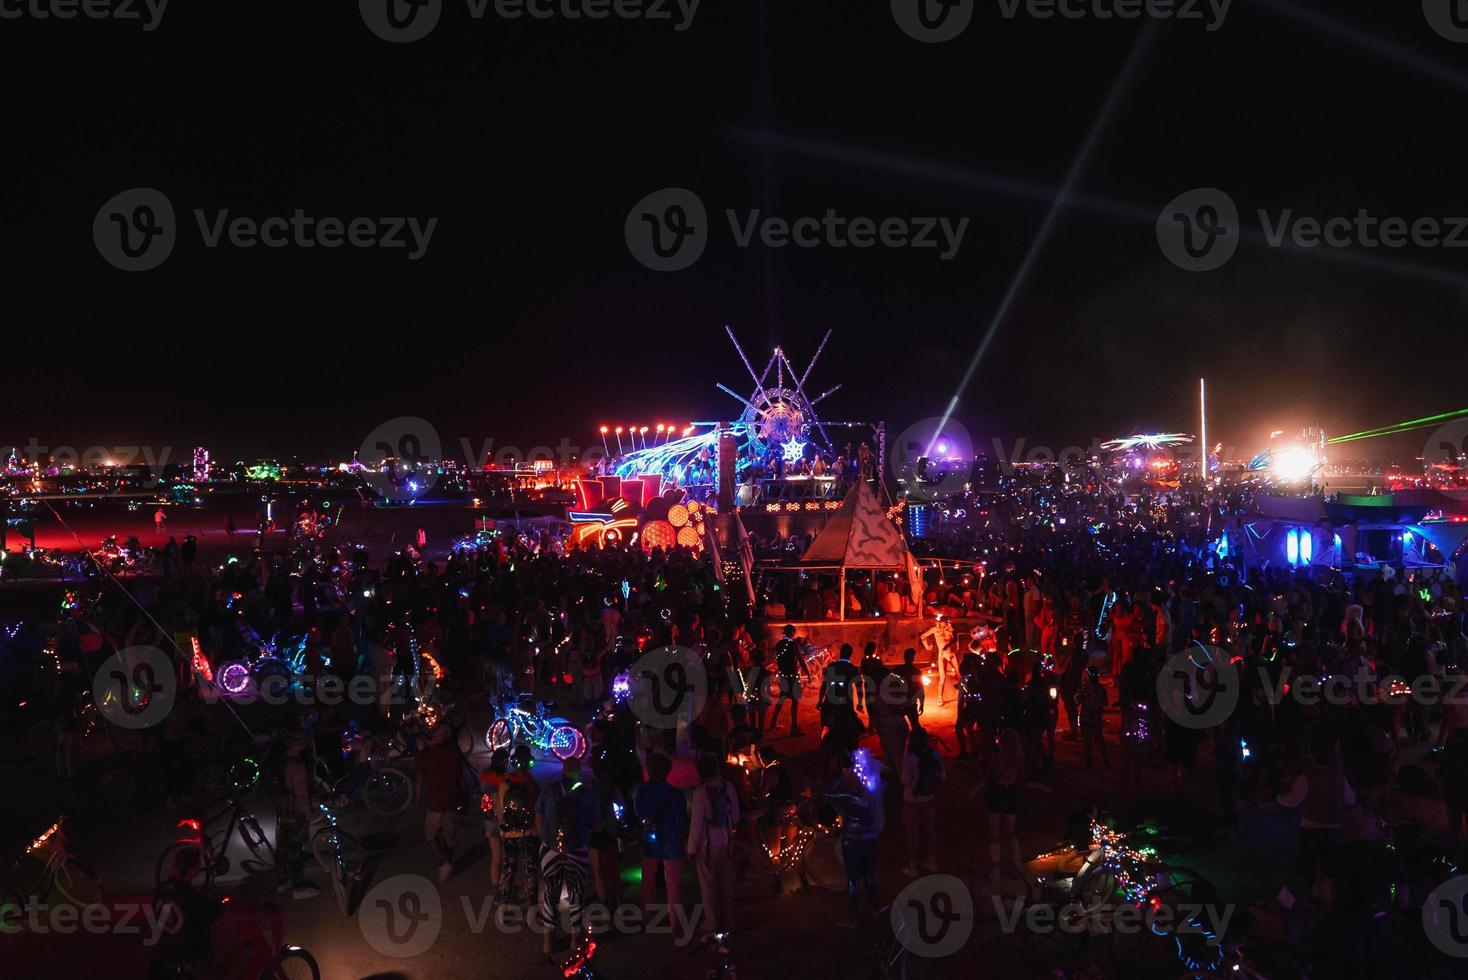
(339, 853)
(1232, 966)
(1111, 877)
(78, 884)
(724, 968)
(817, 659)
(198, 856)
(893, 959)
(376, 779)
(260, 952)
(545, 734)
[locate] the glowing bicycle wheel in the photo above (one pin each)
(567, 742)
(498, 736)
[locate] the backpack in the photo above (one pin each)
(568, 807)
(928, 778)
(517, 816)
(720, 816)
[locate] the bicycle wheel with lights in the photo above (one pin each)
(291, 963)
(387, 791)
(78, 884)
(565, 741)
(499, 735)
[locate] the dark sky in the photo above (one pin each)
(529, 321)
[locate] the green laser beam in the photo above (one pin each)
(1408, 426)
(1383, 432)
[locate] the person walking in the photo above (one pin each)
(566, 816)
(293, 813)
(1093, 708)
(438, 788)
(922, 776)
(490, 781)
(789, 666)
(1323, 795)
(1001, 798)
(663, 815)
(939, 638)
(516, 806)
(842, 695)
(856, 795)
(710, 839)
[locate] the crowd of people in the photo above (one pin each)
(1074, 601)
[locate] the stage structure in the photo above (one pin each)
(778, 419)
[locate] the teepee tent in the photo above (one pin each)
(860, 535)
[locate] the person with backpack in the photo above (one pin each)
(922, 775)
(490, 781)
(914, 697)
(970, 702)
(566, 815)
(613, 817)
(1324, 795)
(789, 665)
(662, 812)
(710, 840)
(842, 696)
(775, 794)
(1093, 708)
(857, 797)
(516, 805)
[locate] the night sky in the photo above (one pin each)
(528, 320)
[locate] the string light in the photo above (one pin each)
(41, 841)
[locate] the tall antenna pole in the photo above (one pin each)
(1203, 423)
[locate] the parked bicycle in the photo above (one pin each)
(200, 854)
(526, 721)
(723, 968)
(259, 950)
(59, 873)
(893, 959)
(1095, 888)
(339, 853)
(375, 776)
